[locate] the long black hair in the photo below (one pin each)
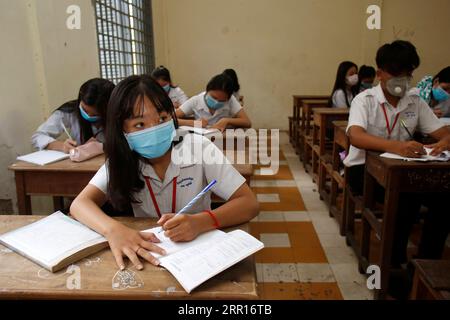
(340, 83)
(94, 92)
(124, 169)
(233, 76)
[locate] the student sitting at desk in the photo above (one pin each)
(384, 119)
(83, 118)
(436, 92)
(216, 108)
(143, 168)
(345, 85)
(366, 77)
(162, 76)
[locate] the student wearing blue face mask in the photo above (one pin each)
(162, 76)
(436, 92)
(152, 166)
(83, 118)
(216, 107)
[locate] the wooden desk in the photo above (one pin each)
(340, 143)
(321, 122)
(294, 120)
(22, 279)
(431, 280)
(65, 179)
(395, 176)
(304, 132)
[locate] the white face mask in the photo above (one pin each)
(398, 86)
(352, 80)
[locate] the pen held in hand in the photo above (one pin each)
(66, 131)
(198, 196)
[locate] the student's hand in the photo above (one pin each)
(176, 105)
(409, 149)
(204, 122)
(92, 140)
(439, 147)
(183, 227)
(221, 124)
(68, 145)
(125, 241)
(438, 112)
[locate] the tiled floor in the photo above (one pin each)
(304, 255)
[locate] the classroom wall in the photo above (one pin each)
(286, 47)
(43, 65)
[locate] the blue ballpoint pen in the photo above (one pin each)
(203, 192)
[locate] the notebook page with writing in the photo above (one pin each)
(444, 156)
(51, 239)
(44, 157)
(202, 131)
(196, 264)
(172, 247)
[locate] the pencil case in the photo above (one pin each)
(86, 151)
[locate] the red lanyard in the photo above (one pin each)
(174, 195)
(389, 129)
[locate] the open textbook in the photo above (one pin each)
(44, 157)
(54, 242)
(57, 241)
(194, 262)
(444, 156)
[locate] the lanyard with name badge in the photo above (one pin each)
(389, 129)
(152, 194)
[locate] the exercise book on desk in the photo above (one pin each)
(44, 157)
(194, 262)
(54, 242)
(444, 156)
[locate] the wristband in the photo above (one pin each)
(214, 218)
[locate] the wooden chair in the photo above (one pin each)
(337, 190)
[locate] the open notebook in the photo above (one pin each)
(444, 156)
(44, 157)
(201, 131)
(54, 242)
(194, 262)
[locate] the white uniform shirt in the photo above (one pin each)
(338, 99)
(366, 112)
(192, 176)
(177, 95)
(51, 129)
(196, 106)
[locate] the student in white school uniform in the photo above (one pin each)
(143, 168)
(162, 76)
(84, 118)
(215, 108)
(345, 86)
(436, 92)
(375, 123)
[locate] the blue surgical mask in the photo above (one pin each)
(87, 117)
(440, 94)
(152, 142)
(366, 85)
(166, 88)
(213, 103)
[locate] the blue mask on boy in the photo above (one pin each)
(167, 88)
(440, 94)
(213, 103)
(152, 142)
(87, 117)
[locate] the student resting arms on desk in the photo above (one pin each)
(375, 123)
(215, 108)
(84, 118)
(143, 167)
